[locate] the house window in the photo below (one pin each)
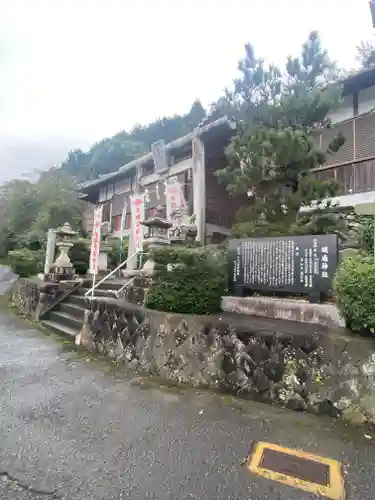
(107, 212)
(110, 190)
(105, 193)
(124, 186)
(117, 222)
(102, 195)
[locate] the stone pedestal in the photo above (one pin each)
(131, 273)
(103, 257)
(157, 235)
(104, 248)
(62, 269)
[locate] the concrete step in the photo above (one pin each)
(100, 292)
(59, 328)
(78, 311)
(66, 319)
(114, 284)
(78, 300)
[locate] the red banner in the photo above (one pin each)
(95, 240)
(137, 206)
(174, 198)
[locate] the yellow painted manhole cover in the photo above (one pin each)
(318, 475)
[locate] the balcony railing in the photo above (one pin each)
(359, 133)
(353, 166)
(355, 177)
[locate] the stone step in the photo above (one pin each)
(59, 329)
(109, 284)
(78, 311)
(66, 319)
(99, 292)
(78, 300)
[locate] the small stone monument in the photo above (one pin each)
(157, 235)
(50, 251)
(62, 268)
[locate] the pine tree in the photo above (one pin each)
(272, 155)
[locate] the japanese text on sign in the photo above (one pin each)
(297, 264)
(138, 215)
(95, 240)
(174, 197)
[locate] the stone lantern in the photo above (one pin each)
(157, 235)
(62, 268)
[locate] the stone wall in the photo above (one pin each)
(303, 367)
(25, 296)
(289, 309)
(33, 298)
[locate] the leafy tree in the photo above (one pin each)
(104, 157)
(28, 209)
(366, 55)
(108, 155)
(55, 192)
(171, 127)
(271, 156)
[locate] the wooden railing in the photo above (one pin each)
(359, 133)
(354, 177)
(353, 166)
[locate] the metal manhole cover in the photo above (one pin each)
(312, 473)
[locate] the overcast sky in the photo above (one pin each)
(75, 71)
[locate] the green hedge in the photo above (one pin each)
(187, 280)
(25, 262)
(80, 255)
(367, 234)
(354, 287)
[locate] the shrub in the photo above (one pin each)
(34, 242)
(187, 280)
(81, 267)
(354, 286)
(80, 255)
(367, 233)
(25, 262)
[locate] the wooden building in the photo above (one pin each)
(193, 160)
(353, 166)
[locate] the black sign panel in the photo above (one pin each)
(295, 264)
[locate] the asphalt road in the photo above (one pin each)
(72, 427)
